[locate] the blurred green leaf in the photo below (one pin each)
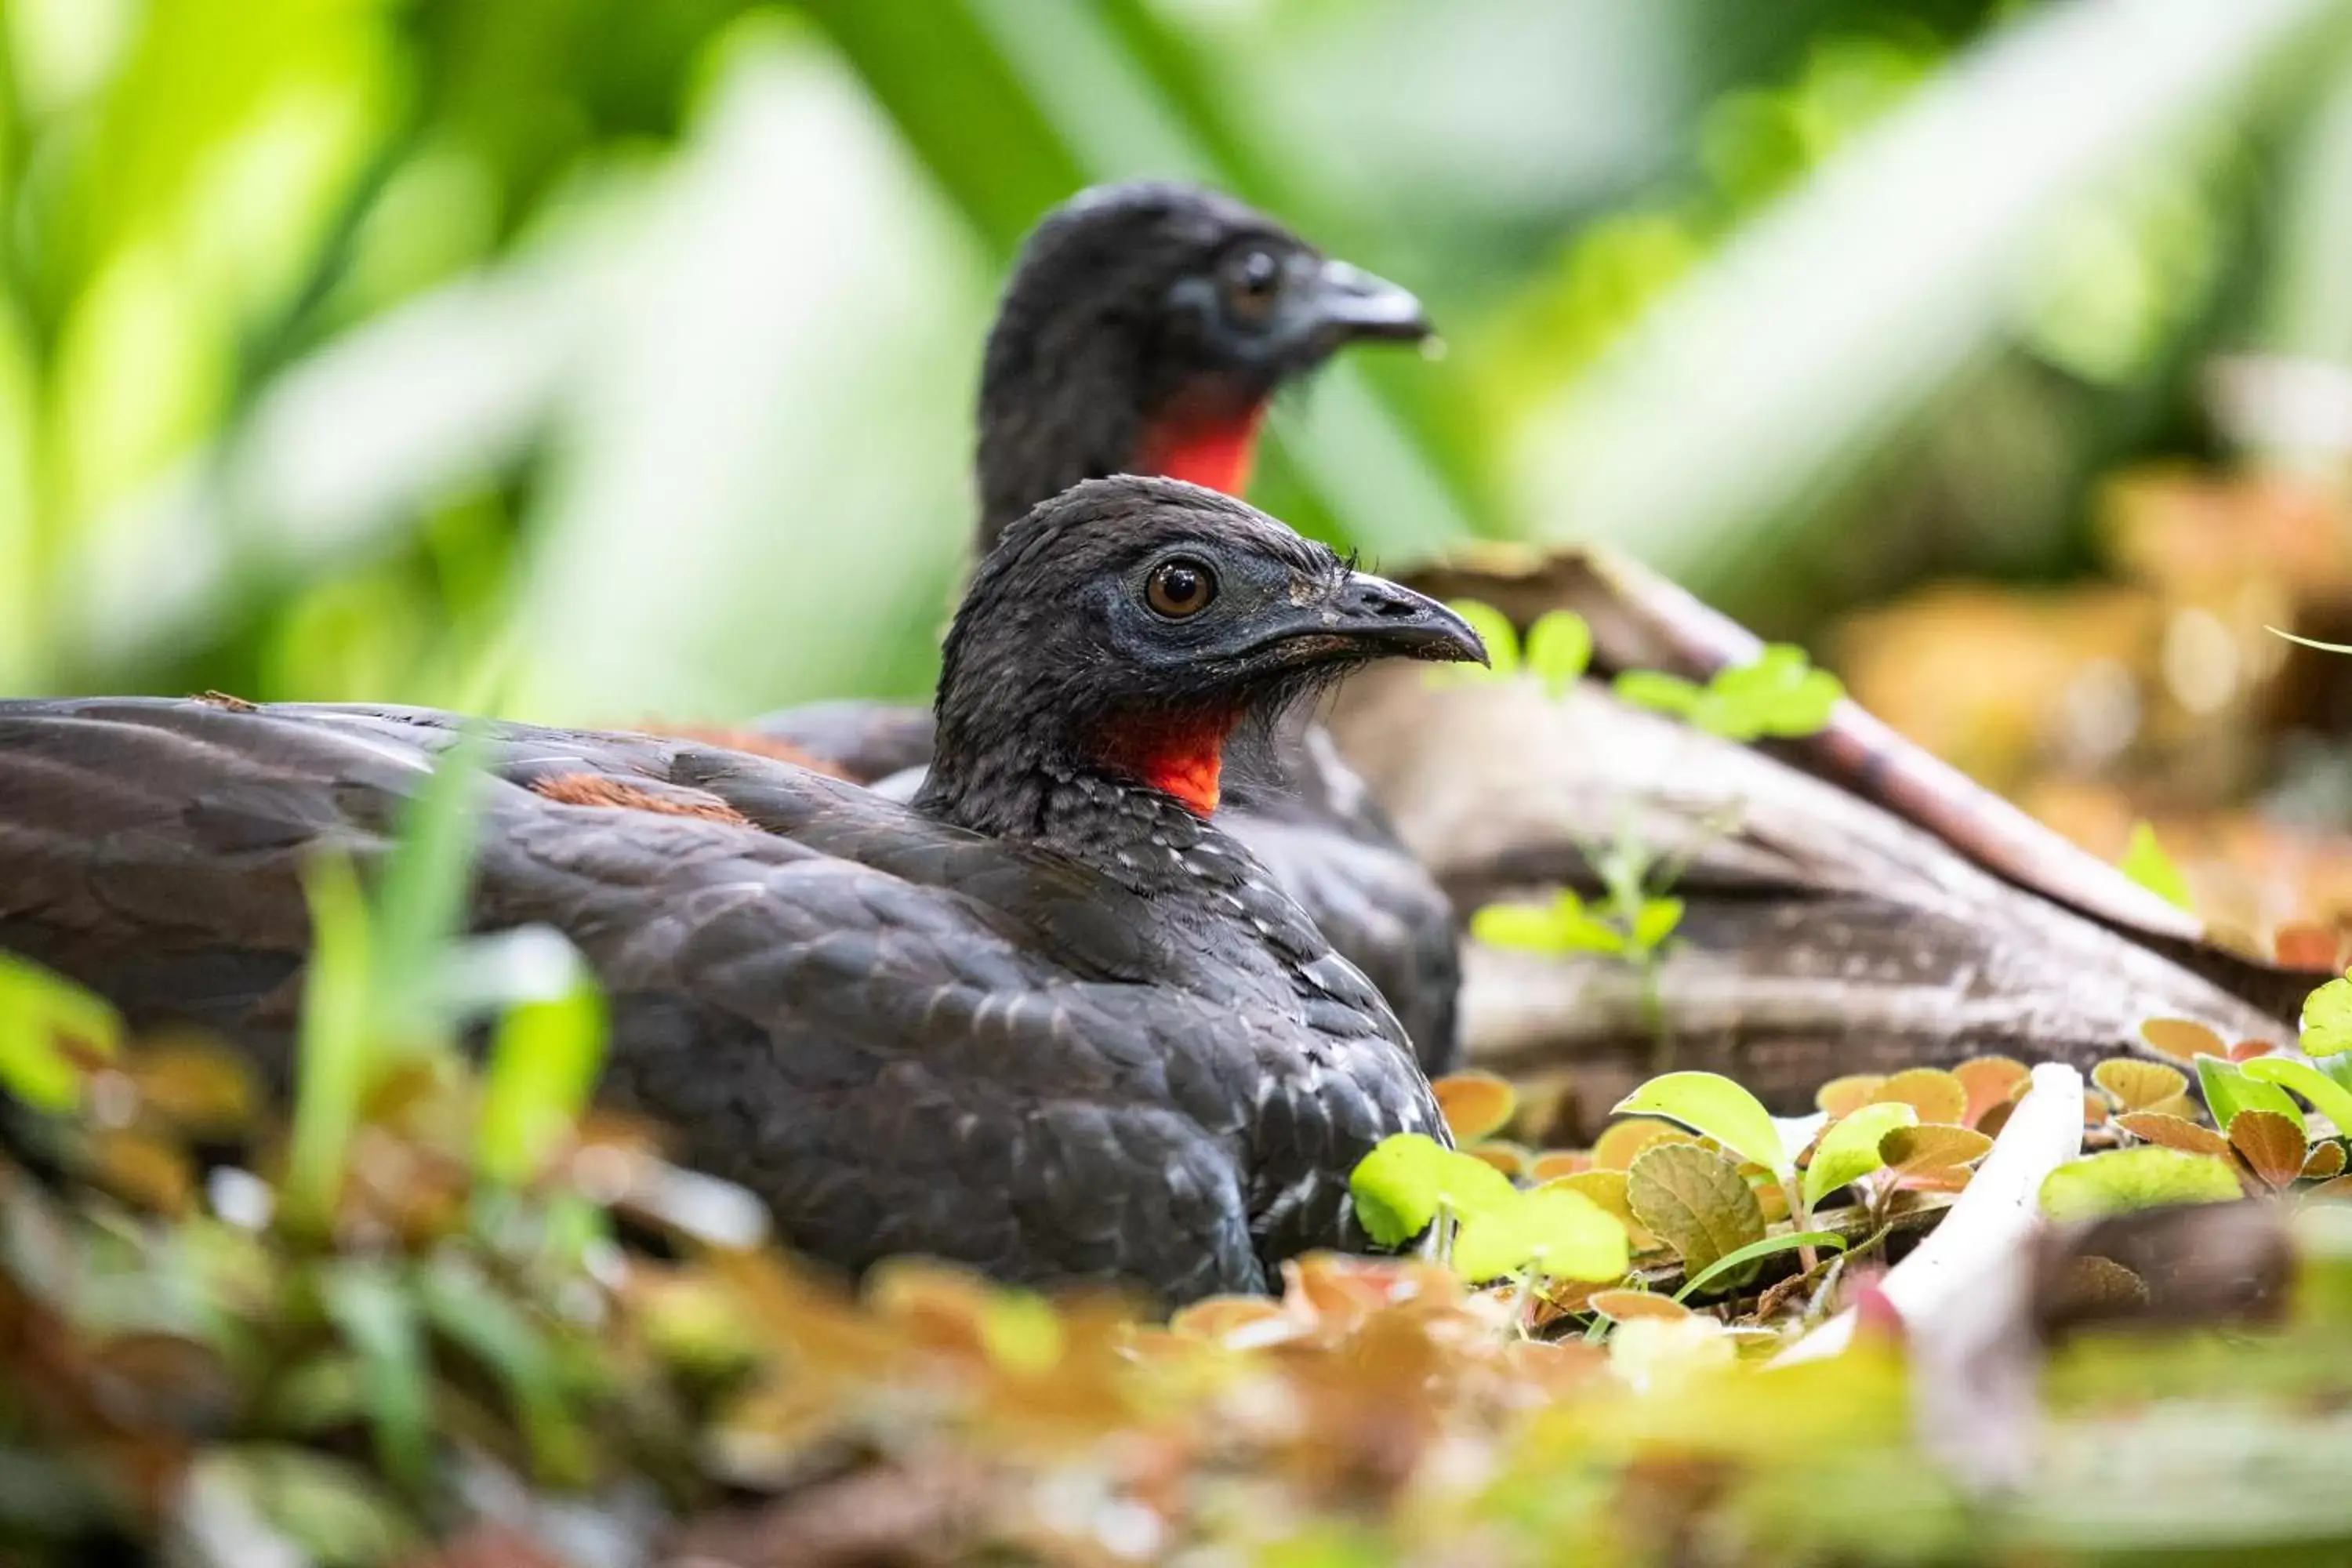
(1558, 650)
(2327, 1020)
(39, 1012)
(371, 1306)
(335, 1043)
(1399, 1186)
(2145, 862)
(421, 906)
(470, 1313)
(2329, 1098)
(544, 1056)
(1657, 691)
(1554, 1232)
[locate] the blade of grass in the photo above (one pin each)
(333, 1048)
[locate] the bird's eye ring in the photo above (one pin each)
(1180, 589)
(1252, 279)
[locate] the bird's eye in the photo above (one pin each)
(1251, 282)
(1180, 588)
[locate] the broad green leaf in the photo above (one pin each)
(2327, 1020)
(2328, 1097)
(1849, 1150)
(1657, 691)
(2145, 862)
(2227, 1090)
(1529, 928)
(1714, 1105)
(38, 1011)
(370, 1305)
(1754, 1250)
(1554, 1232)
(544, 1056)
(1779, 694)
(1694, 1200)
(1401, 1184)
(1558, 650)
(2123, 1180)
(335, 1043)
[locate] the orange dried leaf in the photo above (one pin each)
(1989, 1081)
(2173, 1132)
(1993, 1121)
(1934, 1093)
(1625, 1306)
(2095, 1109)
(2136, 1084)
(1476, 1104)
(2181, 1105)
(1217, 1316)
(1554, 1163)
(1844, 1095)
(2304, 947)
(196, 1086)
(2182, 1039)
(2272, 1146)
(1624, 1140)
(2324, 1162)
(2247, 1050)
(1509, 1158)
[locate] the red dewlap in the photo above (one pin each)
(1213, 451)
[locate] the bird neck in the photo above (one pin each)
(1037, 442)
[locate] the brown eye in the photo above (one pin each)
(1180, 588)
(1252, 279)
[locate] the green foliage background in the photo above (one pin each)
(602, 358)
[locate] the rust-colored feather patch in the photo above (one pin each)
(594, 789)
(754, 742)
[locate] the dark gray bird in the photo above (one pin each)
(1144, 330)
(1051, 1020)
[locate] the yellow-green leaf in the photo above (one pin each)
(1552, 1231)
(38, 1012)
(2328, 1020)
(1558, 647)
(1849, 1150)
(2328, 1097)
(2137, 1084)
(2123, 1180)
(2145, 862)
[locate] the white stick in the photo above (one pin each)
(1993, 1216)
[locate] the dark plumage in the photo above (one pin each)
(1143, 331)
(1048, 1021)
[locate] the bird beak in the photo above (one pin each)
(1364, 616)
(1348, 303)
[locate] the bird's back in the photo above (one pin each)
(903, 1036)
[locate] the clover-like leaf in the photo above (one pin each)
(1558, 650)
(1401, 1184)
(2183, 1039)
(1844, 1095)
(2229, 1088)
(1474, 1103)
(2123, 1180)
(1552, 1231)
(1989, 1081)
(1934, 1093)
(1696, 1200)
(2272, 1147)
(1779, 693)
(1625, 1306)
(2145, 862)
(2137, 1084)
(1622, 1140)
(2174, 1133)
(2328, 1020)
(1932, 1153)
(1711, 1104)
(1849, 1149)
(1657, 691)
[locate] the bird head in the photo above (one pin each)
(1125, 627)
(1143, 331)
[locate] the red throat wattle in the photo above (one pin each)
(1212, 451)
(1182, 760)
